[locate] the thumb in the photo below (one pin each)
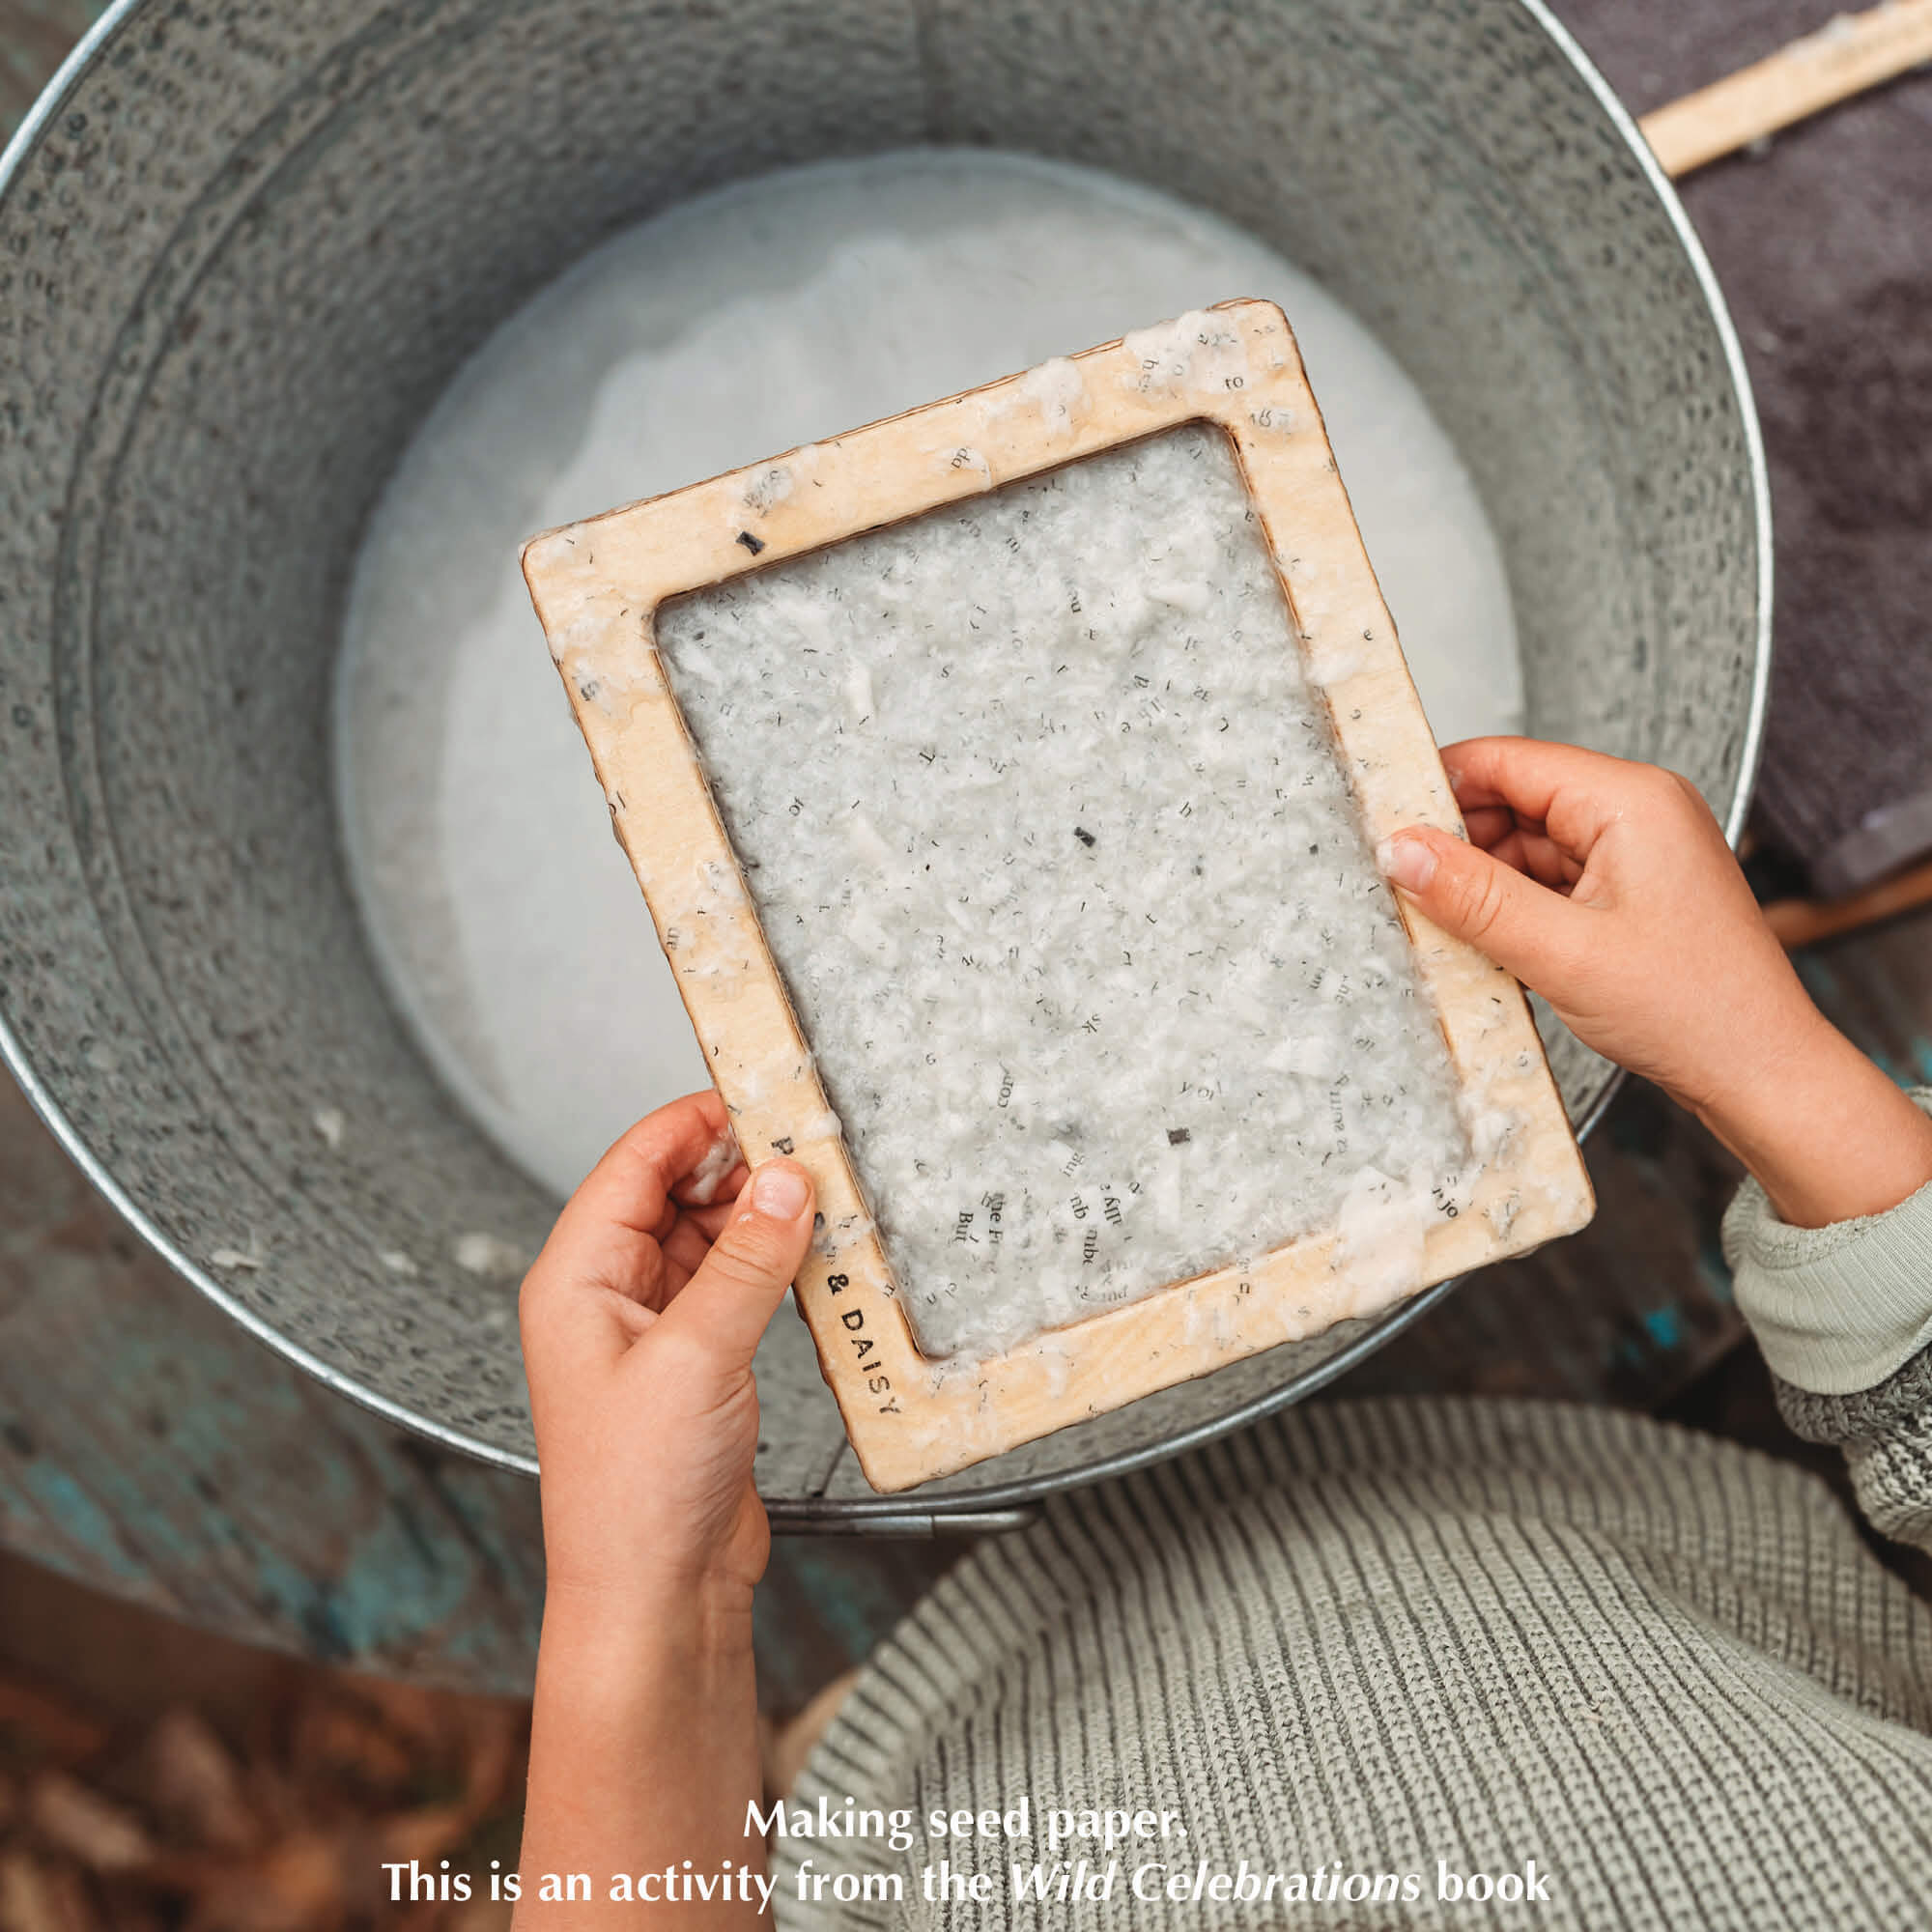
(728, 1301)
(1526, 928)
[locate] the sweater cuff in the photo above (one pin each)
(1899, 1401)
(1835, 1310)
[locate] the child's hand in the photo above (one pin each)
(641, 1318)
(1608, 887)
(639, 1321)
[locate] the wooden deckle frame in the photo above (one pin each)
(597, 587)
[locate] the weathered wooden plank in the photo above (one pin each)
(149, 1448)
(1877, 986)
(34, 36)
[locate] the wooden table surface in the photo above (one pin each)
(152, 1449)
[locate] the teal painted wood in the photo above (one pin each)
(149, 1447)
(1877, 986)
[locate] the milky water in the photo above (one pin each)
(787, 309)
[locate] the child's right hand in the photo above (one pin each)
(1608, 887)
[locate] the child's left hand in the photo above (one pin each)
(640, 1321)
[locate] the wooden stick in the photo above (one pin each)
(1851, 53)
(1804, 922)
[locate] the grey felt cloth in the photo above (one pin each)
(1394, 1641)
(1823, 244)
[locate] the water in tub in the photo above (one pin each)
(778, 312)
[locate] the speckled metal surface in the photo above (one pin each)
(242, 250)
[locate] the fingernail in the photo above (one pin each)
(1406, 863)
(780, 1192)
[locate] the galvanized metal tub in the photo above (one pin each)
(241, 253)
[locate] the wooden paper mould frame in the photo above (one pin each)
(597, 587)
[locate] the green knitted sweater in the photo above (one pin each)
(1583, 1669)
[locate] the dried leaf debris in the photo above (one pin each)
(176, 1827)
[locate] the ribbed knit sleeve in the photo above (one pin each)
(1360, 1653)
(1844, 1317)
